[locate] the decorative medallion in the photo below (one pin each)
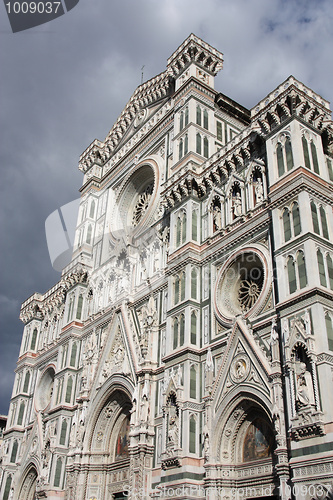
(240, 368)
(142, 204)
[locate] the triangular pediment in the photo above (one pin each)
(244, 366)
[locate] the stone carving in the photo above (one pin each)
(259, 191)
(304, 387)
(285, 331)
(240, 368)
(237, 205)
(274, 332)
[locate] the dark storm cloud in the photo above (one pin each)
(63, 84)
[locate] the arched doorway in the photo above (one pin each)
(29, 484)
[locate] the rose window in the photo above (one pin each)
(142, 204)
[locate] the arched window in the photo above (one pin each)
(321, 268)
(194, 225)
(315, 221)
(182, 330)
(280, 161)
(205, 147)
(301, 269)
(323, 222)
(314, 157)
(182, 286)
(79, 306)
(92, 209)
(291, 275)
(193, 382)
(181, 121)
(180, 149)
(14, 452)
(64, 356)
(63, 432)
(289, 154)
(329, 168)
(57, 474)
(286, 224)
(177, 295)
(21, 414)
(89, 233)
(186, 116)
(73, 354)
(329, 330)
(7, 487)
(175, 333)
(330, 270)
(26, 382)
(68, 396)
(198, 144)
(186, 145)
(193, 328)
(198, 115)
(296, 220)
(205, 119)
(33, 340)
(181, 228)
(192, 436)
(194, 283)
(306, 152)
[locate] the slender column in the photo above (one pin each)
(315, 385)
(292, 392)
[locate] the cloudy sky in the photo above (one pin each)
(64, 83)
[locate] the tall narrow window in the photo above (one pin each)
(192, 436)
(205, 119)
(286, 225)
(92, 209)
(315, 221)
(186, 145)
(301, 269)
(321, 268)
(296, 220)
(79, 306)
(7, 488)
(175, 333)
(193, 382)
(289, 154)
(180, 147)
(193, 328)
(291, 275)
(63, 432)
(330, 169)
(280, 161)
(181, 121)
(198, 115)
(329, 330)
(194, 225)
(194, 283)
(178, 231)
(184, 228)
(68, 396)
(182, 330)
(57, 474)
(26, 382)
(330, 270)
(314, 157)
(205, 147)
(323, 222)
(306, 153)
(186, 116)
(198, 144)
(177, 295)
(89, 233)
(73, 354)
(21, 414)
(219, 131)
(33, 340)
(182, 286)
(14, 452)
(64, 356)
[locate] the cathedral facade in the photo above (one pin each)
(187, 350)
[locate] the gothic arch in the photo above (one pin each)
(28, 483)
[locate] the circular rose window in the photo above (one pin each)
(45, 389)
(242, 285)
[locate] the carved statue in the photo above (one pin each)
(307, 322)
(173, 431)
(304, 391)
(274, 333)
(259, 191)
(285, 330)
(237, 206)
(217, 217)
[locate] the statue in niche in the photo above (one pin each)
(274, 332)
(304, 386)
(173, 425)
(205, 435)
(259, 191)
(237, 205)
(285, 330)
(307, 322)
(217, 218)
